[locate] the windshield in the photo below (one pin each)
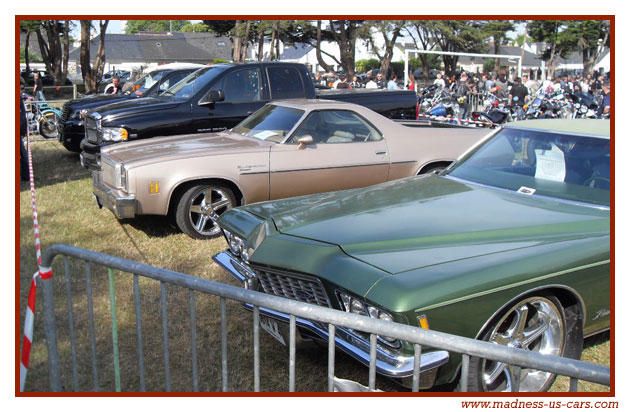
(144, 83)
(194, 82)
(271, 123)
(556, 165)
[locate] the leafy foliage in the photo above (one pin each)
(135, 26)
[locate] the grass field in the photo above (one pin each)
(68, 214)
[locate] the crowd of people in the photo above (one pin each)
(517, 91)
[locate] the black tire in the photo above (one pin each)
(196, 217)
(537, 323)
(72, 146)
(432, 170)
(48, 126)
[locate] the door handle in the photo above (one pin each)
(381, 152)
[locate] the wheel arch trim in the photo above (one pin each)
(197, 180)
(549, 288)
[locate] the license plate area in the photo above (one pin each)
(272, 327)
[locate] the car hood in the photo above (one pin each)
(166, 148)
(428, 220)
(134, 107)
(97, 100)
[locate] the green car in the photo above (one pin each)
(510, 244)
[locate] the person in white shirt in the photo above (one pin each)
(440, 81)
(371, 84)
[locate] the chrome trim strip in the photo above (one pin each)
(330, 168)
(512, 285)
(519, 296)
(386, 364)
(565, 133)
(573, 202)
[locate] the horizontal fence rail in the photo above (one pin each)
(576, 370)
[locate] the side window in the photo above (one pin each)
(173, 79)
(337, 126)
(240, 86)
(285, 83)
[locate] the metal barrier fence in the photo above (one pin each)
(576, 370)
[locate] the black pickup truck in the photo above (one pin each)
(71, 128)
(218, 97)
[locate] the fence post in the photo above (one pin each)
(50, 329)
(74, 91)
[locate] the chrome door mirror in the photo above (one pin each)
(304, 141)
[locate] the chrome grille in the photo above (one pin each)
(65, 112)
(292, 286)
(91, 128)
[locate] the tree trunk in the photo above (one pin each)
(389, 50)
(523, 48)
(66, 47)
(276, 30)
(27, 60)
(261, 43)
(236, 53)
(91, 75)
(318, 49)
(245, 41)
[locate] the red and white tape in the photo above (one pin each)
(460, 120)
(44, 273)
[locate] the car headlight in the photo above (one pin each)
(353, 305)
(114, 134)
(237, 245)
(114, 173)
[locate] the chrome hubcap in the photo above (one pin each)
(534, 324)
(205, 209)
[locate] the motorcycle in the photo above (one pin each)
(584, 106)
(41, 117)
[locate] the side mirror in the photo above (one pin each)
(304, 141)
(211, 97)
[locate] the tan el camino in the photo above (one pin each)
(287, 148)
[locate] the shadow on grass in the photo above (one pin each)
(596, 340)
(152, 225)
(53, 164)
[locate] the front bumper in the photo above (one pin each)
(387, 363)
(123, 207)
(91, 154)
(71, 132)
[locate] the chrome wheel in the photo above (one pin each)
(200, 207)
(536, 324)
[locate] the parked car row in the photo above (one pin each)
(500, 235)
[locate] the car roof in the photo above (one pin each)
(592, 127)
(314, 104)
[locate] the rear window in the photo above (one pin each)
(285, 82)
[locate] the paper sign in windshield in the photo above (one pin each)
(550, 164)
(265, 134)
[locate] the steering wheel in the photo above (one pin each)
(592, 181)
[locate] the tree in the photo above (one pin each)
(29, 26)
(196, 28)
(421, 35)
(497, 30)
(561, 42)
(342, 32)
(156, 26)
(593, 37)
(92, 74)
(54, 45)
(457, 36)
(388, 31)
